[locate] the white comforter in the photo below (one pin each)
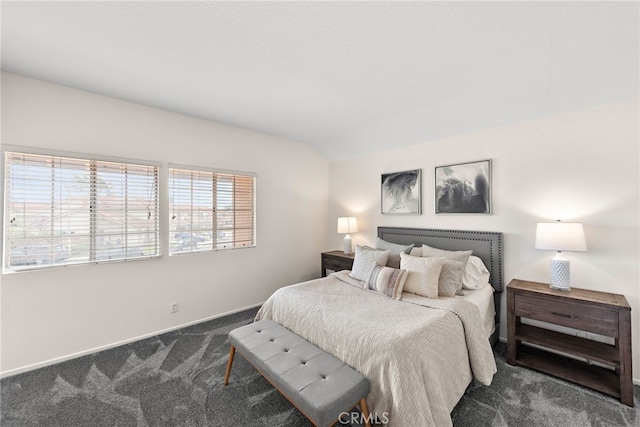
(419, 354)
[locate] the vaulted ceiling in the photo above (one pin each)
(345, 77)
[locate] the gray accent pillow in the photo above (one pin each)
(462, 256)
(364, 260)
(449, 281)
(394, 255)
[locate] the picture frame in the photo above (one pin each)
(463, 188)
(401, 192)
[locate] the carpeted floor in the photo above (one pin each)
(176, 380)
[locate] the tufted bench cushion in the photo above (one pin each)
(319, 385)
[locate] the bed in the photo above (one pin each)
(419, 354)
(486, 245)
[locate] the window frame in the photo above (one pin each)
(91, 158)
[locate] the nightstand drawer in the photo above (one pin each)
(336, 261)
(573, 315)
(337, 264)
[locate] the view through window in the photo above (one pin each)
(63, 210)
(210, 210)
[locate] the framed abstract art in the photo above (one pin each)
(463, 188)
(401, 192)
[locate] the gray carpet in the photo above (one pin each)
(175, 379)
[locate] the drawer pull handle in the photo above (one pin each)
(561, 314)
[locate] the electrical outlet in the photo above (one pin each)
(174, 307)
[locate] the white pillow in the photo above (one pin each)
(364, 260)
(476, 274)
(423, 274)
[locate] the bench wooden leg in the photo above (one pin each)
(232, 353)
(365, 412)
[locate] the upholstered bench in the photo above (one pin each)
(319, 385)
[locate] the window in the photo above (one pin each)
(62, 210)
(211, 210)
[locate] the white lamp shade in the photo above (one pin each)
(347, 225)
(560, 236)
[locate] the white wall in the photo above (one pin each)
(52, 314)
(582, 166)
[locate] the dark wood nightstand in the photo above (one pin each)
(336, 261)
(600, 313)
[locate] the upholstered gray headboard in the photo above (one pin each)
(487, 245)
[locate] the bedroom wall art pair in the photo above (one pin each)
(459, 188)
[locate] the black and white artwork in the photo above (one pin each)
(464, 188)
(401, 192)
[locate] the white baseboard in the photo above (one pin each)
(50, 362)
(636, 381)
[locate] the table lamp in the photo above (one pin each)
(560, 236)
(347, 225)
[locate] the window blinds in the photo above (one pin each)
(62, 210)
(210, 210)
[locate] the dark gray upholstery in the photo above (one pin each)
(317, 383)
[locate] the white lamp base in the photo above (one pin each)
(560, 273)
(347, 245)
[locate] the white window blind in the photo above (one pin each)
(61, 210)
(211, 210)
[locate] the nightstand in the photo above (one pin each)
(594, 364)
(336, 261)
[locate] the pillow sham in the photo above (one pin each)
(422, 274)
(449, 281)
(416, 251)
(386, 281)
(476, 274)
(364, 259)
(462, 256)
(394, 255)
